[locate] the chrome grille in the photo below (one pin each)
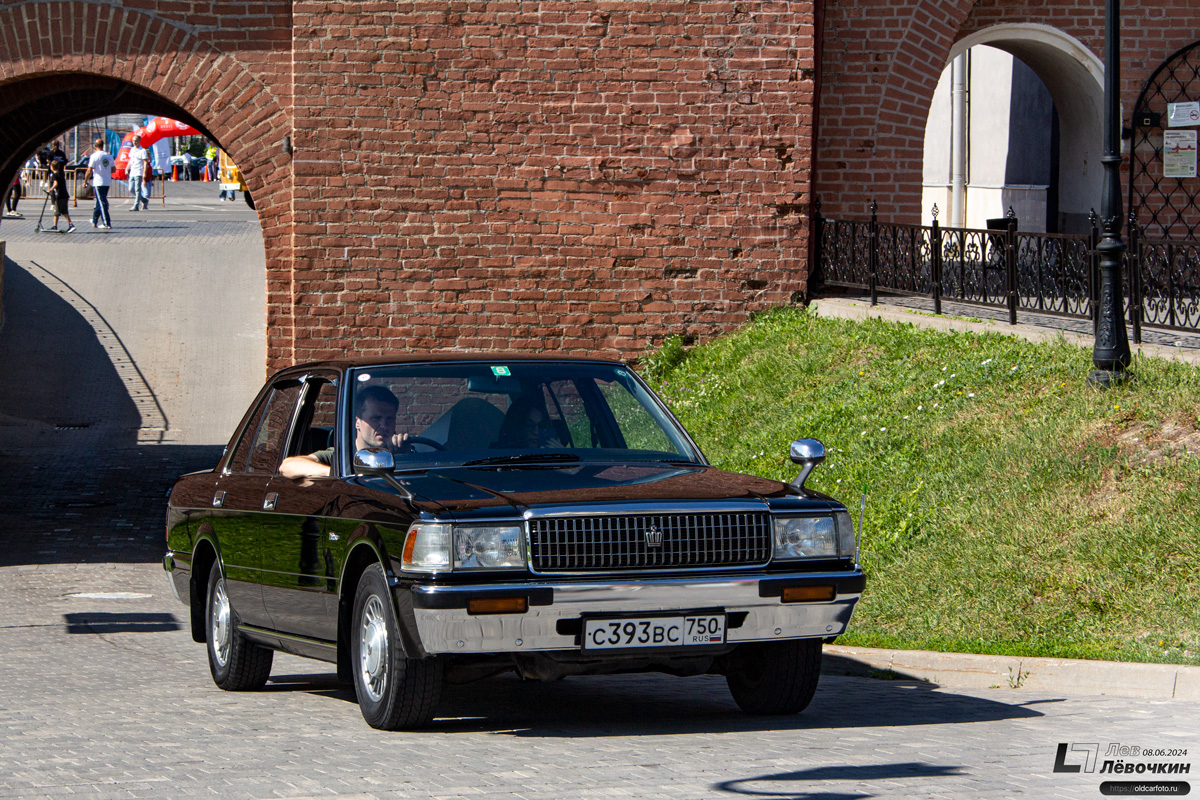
(619, 542)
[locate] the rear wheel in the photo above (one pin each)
(394, 692)
(775, 677)
(237, 664)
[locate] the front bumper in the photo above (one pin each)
(753, 604)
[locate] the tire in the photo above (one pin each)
(237, 664)
(773, 678)
(394, 692)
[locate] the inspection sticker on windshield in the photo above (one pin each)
(501, 372)
(607, 634)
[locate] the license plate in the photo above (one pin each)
(684, 631)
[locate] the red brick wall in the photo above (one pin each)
(532, 175)
(881, 63)
(574, 175)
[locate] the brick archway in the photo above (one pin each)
(1074, 76)
(879, 73)
(110, 60)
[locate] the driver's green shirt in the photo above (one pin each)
(324, 456)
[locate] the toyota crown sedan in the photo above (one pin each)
(426, 521)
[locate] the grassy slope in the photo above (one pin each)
(1010, 508)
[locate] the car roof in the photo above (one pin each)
(437, 357)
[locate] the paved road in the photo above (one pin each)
(126, 358)
(114, 346)
(110, 698)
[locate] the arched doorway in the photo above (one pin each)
(128, 355)
(1073, 78)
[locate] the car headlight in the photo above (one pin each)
(489, 547)
(440, 547)
(805, 537)
(427, 548)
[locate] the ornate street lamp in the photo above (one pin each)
(1110, 355)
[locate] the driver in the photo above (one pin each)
(375, 410)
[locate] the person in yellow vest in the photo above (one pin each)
(210, 153)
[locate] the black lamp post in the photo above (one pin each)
(1111, 355)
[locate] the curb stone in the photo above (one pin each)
(1041, 675)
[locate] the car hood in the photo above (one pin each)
(468, 489)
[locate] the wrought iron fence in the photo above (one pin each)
(1046, 273)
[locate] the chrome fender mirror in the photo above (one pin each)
(374, 462)
(806, 453)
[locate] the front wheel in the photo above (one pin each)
(237, 664)
(771, 678)
(394, 692)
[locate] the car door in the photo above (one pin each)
(299, 582)
(237, 515)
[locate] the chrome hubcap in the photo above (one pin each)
(221, 633)
(373, 648)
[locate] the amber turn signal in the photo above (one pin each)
(497, 605)
(801, 594)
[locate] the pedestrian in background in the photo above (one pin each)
(13, 197)
(59, 194)
(210, 152)
(139, 175)
(100, 172)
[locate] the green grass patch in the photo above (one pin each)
(1011, 508)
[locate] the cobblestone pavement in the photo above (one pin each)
(104, 695)
(108, 697)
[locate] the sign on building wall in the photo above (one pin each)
(1180, 115)
(1179, 154)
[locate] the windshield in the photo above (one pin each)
(511, 412)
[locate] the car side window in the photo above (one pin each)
(318, 416)
(268, 439)
(237, 461)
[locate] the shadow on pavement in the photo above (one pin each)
(655, 705)
(78, 487)
(98, 622)
(777, 784)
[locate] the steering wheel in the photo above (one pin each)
(406, 445)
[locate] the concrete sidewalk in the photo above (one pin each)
(1175, 345)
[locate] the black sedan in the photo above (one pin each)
(429, 520)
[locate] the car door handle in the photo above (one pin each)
(269, 502)
(218, 499)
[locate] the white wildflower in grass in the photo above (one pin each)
(864, 433)
(906, 416)
(1014, 369)
(972, 394)
(935, 405)
(881, 430)
(944, 369)
(985, 363)
(920, 408)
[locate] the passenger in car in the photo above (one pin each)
(526, 425)
(375, 410)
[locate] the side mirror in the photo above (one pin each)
(374, 462)
(806, 453)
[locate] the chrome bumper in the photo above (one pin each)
(174, 575)
(445, 626)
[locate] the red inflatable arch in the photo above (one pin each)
(159, 128)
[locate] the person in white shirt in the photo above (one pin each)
(139, 175)
(99, 170)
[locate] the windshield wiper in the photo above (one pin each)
(523, 458)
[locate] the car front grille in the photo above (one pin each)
(650, 541)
